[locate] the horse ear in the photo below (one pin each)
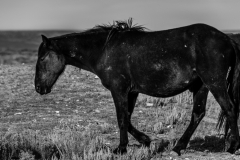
(45, 40)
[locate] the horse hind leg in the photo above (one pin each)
(139, 136)
(222, 97)
(215, 79)
(198, 112)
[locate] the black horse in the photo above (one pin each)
(130, 60)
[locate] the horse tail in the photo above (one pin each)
(233, 83)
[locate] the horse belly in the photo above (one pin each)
(166, 82)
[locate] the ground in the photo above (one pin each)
(77, 119)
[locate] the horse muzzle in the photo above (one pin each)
(42, 90)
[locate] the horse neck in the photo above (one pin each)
(84, 50)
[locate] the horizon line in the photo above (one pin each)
(76, 29)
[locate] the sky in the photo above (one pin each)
(85, 14)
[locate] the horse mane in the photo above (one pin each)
(126, 25)
(118, 26)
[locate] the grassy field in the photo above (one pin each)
(77, 120)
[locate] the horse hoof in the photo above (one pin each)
(120, 150)
(237, 152)
(231, 150)
(173, 153)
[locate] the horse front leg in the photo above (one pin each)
(139, 136)
(121, 103)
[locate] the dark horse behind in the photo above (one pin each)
(129, 60)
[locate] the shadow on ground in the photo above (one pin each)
(208, 143)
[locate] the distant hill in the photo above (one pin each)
(17, 40)
(231, 31)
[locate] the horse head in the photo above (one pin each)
(50, 65)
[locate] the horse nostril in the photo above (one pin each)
(45, 91)
(38, 88)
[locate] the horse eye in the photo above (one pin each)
(43, 57)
